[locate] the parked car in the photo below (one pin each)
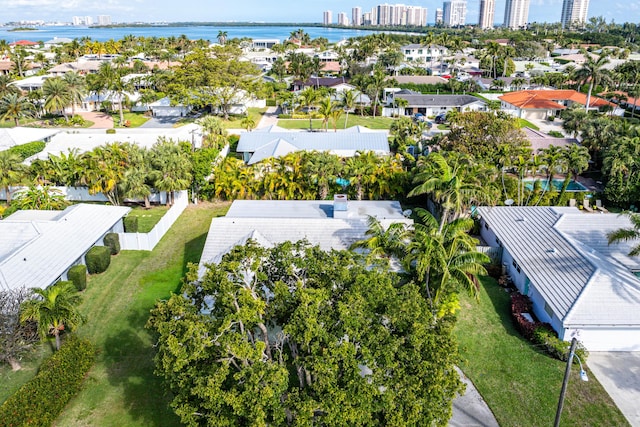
(441, 118)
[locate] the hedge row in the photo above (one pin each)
(98, 259)
(539, 333)
(27, 150)
(42, 399)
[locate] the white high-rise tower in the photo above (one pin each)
(487, 12)
(516, 13)
(574, 12)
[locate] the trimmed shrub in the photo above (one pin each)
(98, 259)
(39, 401)
(78, 275)
(111, 131)
(546, 337)
(27, 150)
(271, 103)
(130, 224)
(112, 241)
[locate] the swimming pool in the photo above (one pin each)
(557, 184)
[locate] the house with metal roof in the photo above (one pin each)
(37, 248)
(10, 137)
(260, 145)
(329, 224)
(560, 258)
(430, 105)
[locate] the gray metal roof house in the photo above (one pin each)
(257, 146)
(560, 258)
(37, 248)
(431, 105)
(321, 222)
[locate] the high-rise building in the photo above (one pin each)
(356, 16)
(574, 13)
(342, 19)
(77, 20)
(104, 20)
(384, 14)
(454, 13)
(416, 16)
(516, 13)
(439, 16)
(366, 19)
(88, 20)
(327, 17)
(487, 12)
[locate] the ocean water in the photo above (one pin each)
(192, 32)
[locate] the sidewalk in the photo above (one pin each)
(470, 409)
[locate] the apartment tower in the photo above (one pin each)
(487, 12)
(574, 13)
(454, 13)
(439, 16)
(356, 16)
(342, 19)
(327, 17)
(516, 14)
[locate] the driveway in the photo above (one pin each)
(100, 120)
(269, 118)
(619, 374)
(160, 122)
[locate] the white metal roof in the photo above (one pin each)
(48, 248)
(565, 255)
(20, 135)
(273, 222)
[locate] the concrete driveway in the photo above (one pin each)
(619, 374)
(470, 409)
(161, 122)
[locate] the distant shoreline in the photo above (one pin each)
(18, 29)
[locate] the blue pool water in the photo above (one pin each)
(557, 184)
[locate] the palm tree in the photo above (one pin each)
(325, 108)
(12, 172)
(57, 96)
(347, 101)
(248, 123)
(54, 309)
(14, 107)
(591, 72)
(447, 183)
(335, 117)
(172, 168)
(42, 198)
(6, 87)
(135, 181)
(383, 243)
(76, 87)
(222, 37)
(627, 234)
(308, 98)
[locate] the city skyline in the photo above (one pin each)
(284, 11)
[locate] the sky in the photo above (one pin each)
(273, 11)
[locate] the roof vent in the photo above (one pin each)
(552, 251)
(339, 205)
(521, 219)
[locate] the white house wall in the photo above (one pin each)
(607, 339)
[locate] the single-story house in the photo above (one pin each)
(163, 108)
(337, 83)
(37, 248)
(540, 140)
(419, 80)
(540, 104)
(507, 83)
(431, 105)
(264, 144)
(80, 67)
(10, 137)
(29, 84)
(560, 258)
(57, 41)
(330, 224)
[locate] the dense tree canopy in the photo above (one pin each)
(296, 336)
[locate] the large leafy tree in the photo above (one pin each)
(54, 309)
(16, 337)
(272, 337)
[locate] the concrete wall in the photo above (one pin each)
(81, 194)
(148, 241)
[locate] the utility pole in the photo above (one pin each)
(567, 371)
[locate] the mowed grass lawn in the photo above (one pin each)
(135, 119)
(148, 218)
(235, 122)
(520, 384)
(354, 120)
(121, 389)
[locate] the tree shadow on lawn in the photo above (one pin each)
(501, 301)
(128, 356)
(192, 252)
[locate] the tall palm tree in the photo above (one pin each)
(54, 309)
(6, 87)
(591, 72)
(448, 185)
(383, 243)
(347, 102)
(172, 168)
(627, 234)
(15, 107)
(325, 108)
(76, 88)
(12, 172)
(57, 96)
(222, 37)
(308, 98)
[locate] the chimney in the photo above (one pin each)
(340, 206)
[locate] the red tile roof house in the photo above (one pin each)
(540, 104)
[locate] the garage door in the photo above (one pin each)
(618, 339)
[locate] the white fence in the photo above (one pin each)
(493, 252)
(148, 241)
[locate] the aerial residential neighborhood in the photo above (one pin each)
(402, 215)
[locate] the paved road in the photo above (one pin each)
(619, 374)
(160, 122)
(470, 409)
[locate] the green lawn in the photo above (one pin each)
(148, 218)
(520, 384)
(354, 120)
(136, 119)
(11, 381)
(121, 389)
(526, 123)
(236, 122)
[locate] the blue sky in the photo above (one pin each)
(272, 11)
